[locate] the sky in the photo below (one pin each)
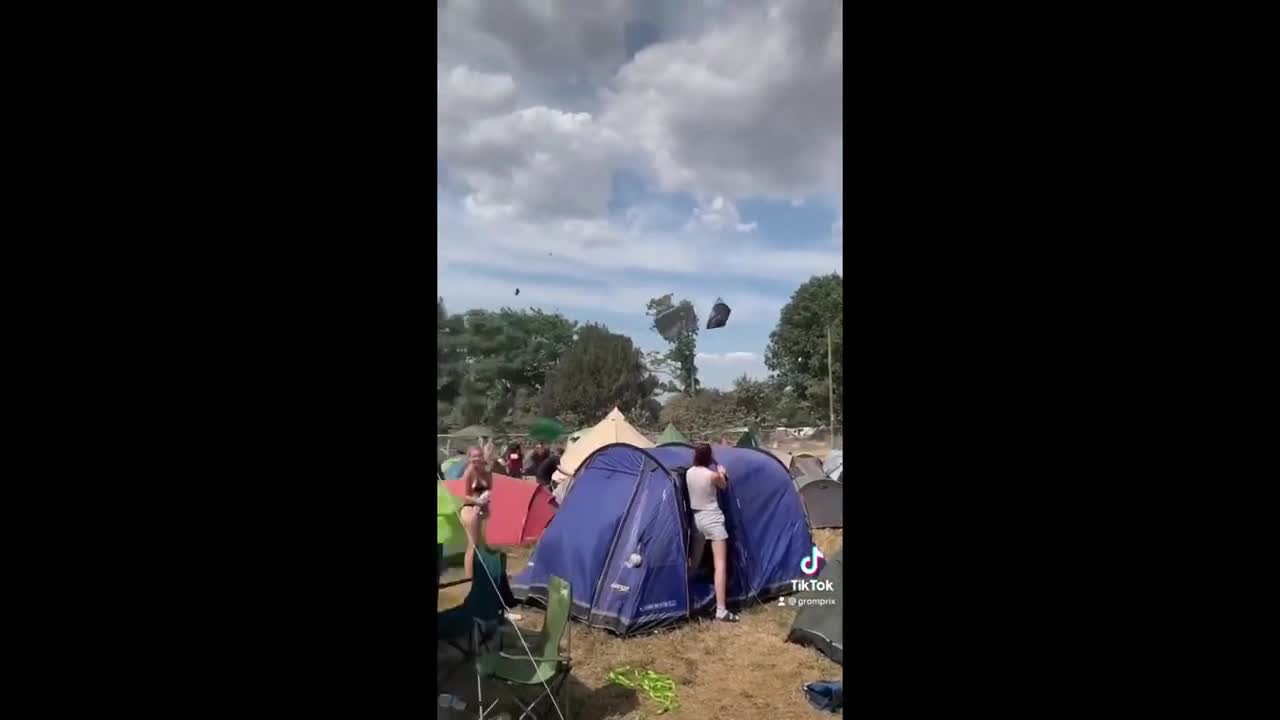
(599, 153)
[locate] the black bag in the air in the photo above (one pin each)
(719, 315)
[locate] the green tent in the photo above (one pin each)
(451, 537)
(748, 440)
(449, 531)
(820, 624)
(671, 435)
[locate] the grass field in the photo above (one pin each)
(722, 671)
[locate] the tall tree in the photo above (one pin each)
(599, 371)
(797, 350)
(492, 365)
(678, 363)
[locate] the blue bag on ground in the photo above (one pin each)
(826, 695)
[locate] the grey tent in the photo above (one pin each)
(834, 465)
(671, 435)
(804, 464)
(823, 498)
(820, 625)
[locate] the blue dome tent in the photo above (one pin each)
(622, 536)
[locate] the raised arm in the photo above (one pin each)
(721, 478)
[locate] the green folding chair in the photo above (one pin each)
(547, 670)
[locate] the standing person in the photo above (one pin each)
(515, 460)
(704, 479)
(545, 469)
(536, 458)
(476, 482)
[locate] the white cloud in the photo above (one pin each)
(752, 107)
(574, 42)
(720, 215)
(536, 162)
(727, 358)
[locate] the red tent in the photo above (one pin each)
(519, 510)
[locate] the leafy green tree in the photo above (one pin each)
(797, 351)
(600, 370)
(491, 366)
(754, 401)
(704, 415)
(678, 363)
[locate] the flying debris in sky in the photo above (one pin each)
(719, 315)
(517, 291)
(672, 322)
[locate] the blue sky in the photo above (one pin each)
(685, 148)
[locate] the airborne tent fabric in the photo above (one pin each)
(519, 510)
(622, 538)
(821, 626)
(671, 435)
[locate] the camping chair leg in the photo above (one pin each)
(554, 693)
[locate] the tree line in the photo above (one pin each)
(504, 368)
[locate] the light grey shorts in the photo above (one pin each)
(711, 524)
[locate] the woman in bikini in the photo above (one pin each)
(476, 483)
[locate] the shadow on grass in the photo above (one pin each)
(584, 702)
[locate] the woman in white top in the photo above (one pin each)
(703, 481)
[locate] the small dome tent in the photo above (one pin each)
(521, 510)
(613, 429)
(823, 497)
(671, 435)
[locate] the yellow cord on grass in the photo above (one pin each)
(656, 685)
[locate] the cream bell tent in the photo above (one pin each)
(613, 429)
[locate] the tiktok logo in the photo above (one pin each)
(809, 565)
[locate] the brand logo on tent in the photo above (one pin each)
(620, 588)
(811, 564)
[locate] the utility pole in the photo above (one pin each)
(831, 392)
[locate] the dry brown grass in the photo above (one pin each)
(735, 672)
